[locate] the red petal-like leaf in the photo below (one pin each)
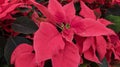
(79, 43)
(23, 56)
(94, 28)
(2, 1)
(116, 57)
(56, 9)
(86, 11)
(69, 11)
(69, 57)
(47, 42)
(68, 34)
(117, 48)
(101, 46)
(22, 48)
(77, 25)
(9, 9)
(90, 55)
(108, 55)
(104, 21)
(26, 60)
(44, 10)
(87, 44)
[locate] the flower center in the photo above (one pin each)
(65, 26)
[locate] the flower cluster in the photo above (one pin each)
(66, 36)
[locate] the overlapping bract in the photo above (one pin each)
(66, 38)
(6, 7)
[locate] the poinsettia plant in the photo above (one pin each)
(59, 33)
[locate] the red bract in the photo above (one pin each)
(1, 1)
(52, 46)
(86, 11)
(69, 57)
(90, 46)
(101, 46)
(23, 56)
(94, 41)
(8, 7)
(93, 26)
(117, 1)
(63, 17)
(47, 42)
(113, 48)
(89, 50)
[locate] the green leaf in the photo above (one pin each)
(24, 25)
(116, 21)
(11, 44)
(104, 63)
